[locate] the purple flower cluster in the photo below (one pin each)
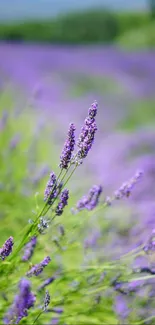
(29, 249)
(126, 188)
(91, 200)
(88, 131)
(63, 202)
(22, 302)
(68, 149)
(38, 268)
(6, 249)
(50, 190)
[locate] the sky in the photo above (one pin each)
(22, 9)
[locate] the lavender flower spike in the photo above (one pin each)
(46, 283)
(29, 248)
(38, 268)
(88, 131)
(93, 110)
(50, 190)
(6, 249)
(126, 188)
(68, 149)
(63, 202)
(91, 200)
(22, 302)
(46, 300)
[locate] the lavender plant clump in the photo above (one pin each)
(22, 302)
(6, 249)
(38, 268)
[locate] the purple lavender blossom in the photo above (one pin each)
(22, 302)
(149, 247)
(63, 202)
(126, 188)
(38, 268)
(91, 200)
(47, 300)
(97, 190)
(57, 310)
(93, 110)
(29, 249)
(88, 131)
(6, 249)
(50, 190)
(46, 283)
(68, 149)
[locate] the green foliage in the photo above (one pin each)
(82, 27)
(140, 113)
(91, 26)
(139, 38)
(132, 20)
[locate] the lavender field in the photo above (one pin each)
(42, 90)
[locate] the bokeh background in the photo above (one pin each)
(56, 57)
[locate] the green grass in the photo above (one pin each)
(140, 113)
(138, 38)
(83, 84)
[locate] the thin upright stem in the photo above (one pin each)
(38, 317)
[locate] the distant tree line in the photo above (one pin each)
(91, 26)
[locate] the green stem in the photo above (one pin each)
(38, 317)
(70, 175)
